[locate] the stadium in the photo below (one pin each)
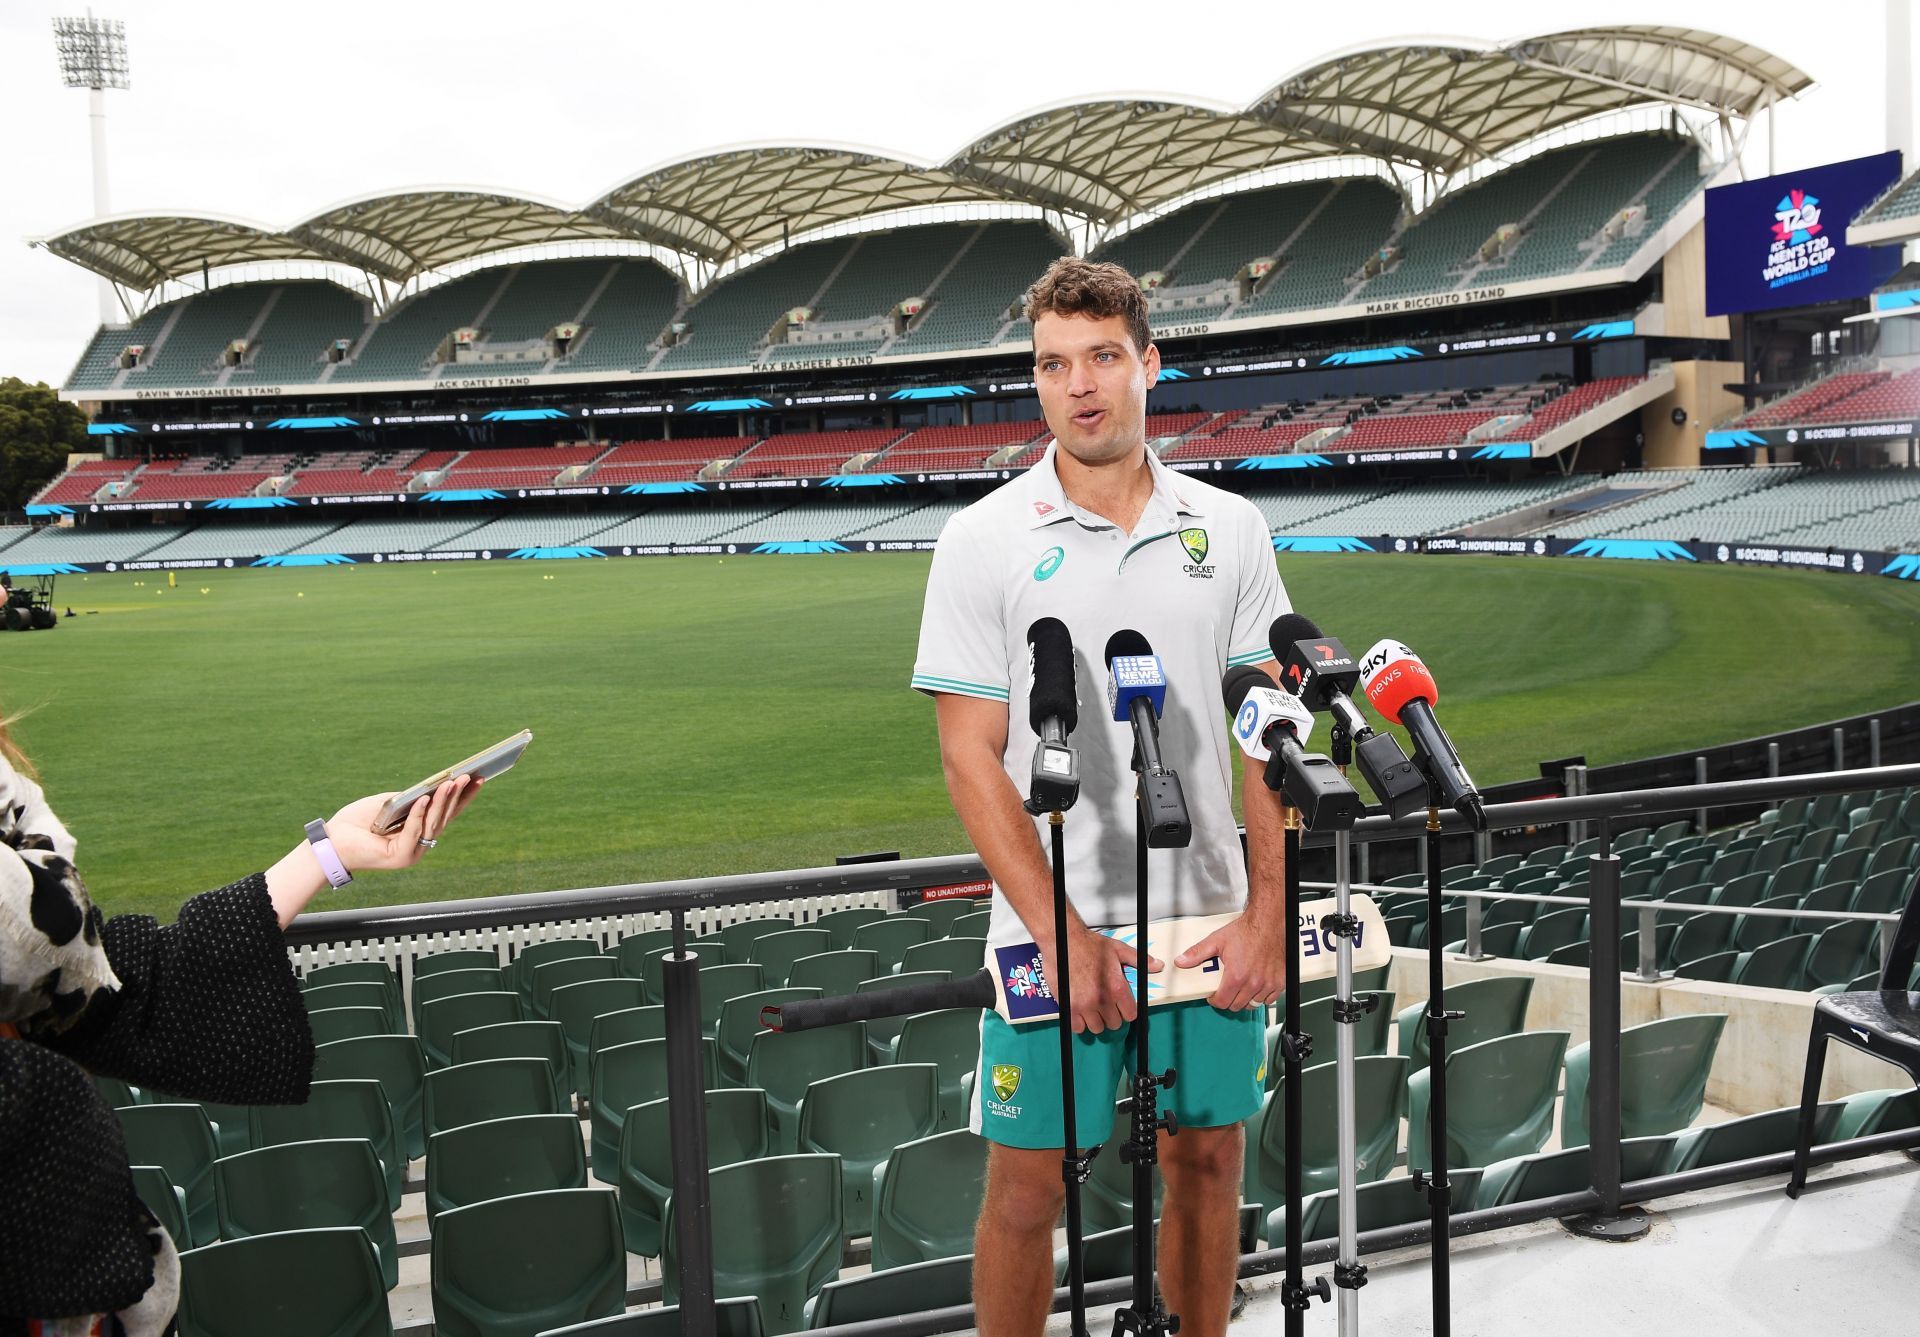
(1525, 319)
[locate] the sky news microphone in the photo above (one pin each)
(1053, 711)
(1402, 690)
(1271, 726)
(1318, 669)
(1137, 691)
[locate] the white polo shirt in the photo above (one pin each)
(1197, 579)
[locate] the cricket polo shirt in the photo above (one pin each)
(1197, 579)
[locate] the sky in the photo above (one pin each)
(272, 112)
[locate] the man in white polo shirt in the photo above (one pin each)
(1103, 536)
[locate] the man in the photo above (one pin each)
(1102, 536)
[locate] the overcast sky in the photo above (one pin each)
(271, 112)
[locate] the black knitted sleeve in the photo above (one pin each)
(208, 1007)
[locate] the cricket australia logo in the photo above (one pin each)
(1195, 542)
(1006, 1080)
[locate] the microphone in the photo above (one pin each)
(1137, 691)
(1053, 711)
(1271, 725)
(1321, 672)
(1403, 691)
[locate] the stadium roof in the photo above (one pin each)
(1436, 105)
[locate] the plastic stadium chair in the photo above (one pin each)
(719, 983)
(776, 1235)
(1767, 1134)
(739, 938)
(1552, 931)
(958, 957)
(1872, 1112)
(1840, 951)
(1883, 893)
(926, 1198)
(346, 1023)
(1715, 969)
(178, 1139)
(943, 914)
(1830, 897)
(709, 951)
(1664, 1066)
(356, 993)
(352, 972)
(305, 1186)
(575, 1006)
(625, 1076)
(1379, 1205)
(394, 1061)
(512, 1266)
(299, 1283)
(116, 1092)
(519, 975)
(492, 1088)
(345, 1108)
(466, 958)
(861, 1117)
(543, 1040)
(1549, 1174)
(1890, 856)
(1780, 964)
(232, 1130)
(740, 1022)
(736, 1131)
(1753, 931)
(901, 1290)
(624, 1027)
(834, 973)
(1702, 935)
(1794, 879)
(950, 1040)
(543, 979)
(974, 925)
(167, 1203)
(731, 1318)
(1495, 1006)
(452, 983)
(439, 1021)
(785, 1065)
(842, 924)
(1500, 1096)
(1380, 1094)
(882, 1030)
(775, 953)
(499, 1158)
(630, 952)
(1496, 940)
(890, 938)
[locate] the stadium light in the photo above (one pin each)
(93, 56)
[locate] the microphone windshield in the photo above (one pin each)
(1053, 695)
(1288, 628)
(1238, 682)
(1126, 642)
(1392, 676)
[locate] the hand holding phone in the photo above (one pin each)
(484, 765)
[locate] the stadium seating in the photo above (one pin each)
(307, 1185)
(498, 1158)
(926, 1198)
(933, 449)
(970, 305)
(527, 1263)
(736, 1131)
(299, 1283)
(624, 322)
(860, 1117)
(777, 1229)
(397, 1064)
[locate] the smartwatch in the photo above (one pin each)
(329, 858)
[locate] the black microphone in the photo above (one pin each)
(1271, 726)
(1053, 711)
(1137, 691)
(1318, 669)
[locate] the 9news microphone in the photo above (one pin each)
(1053, 711)
(1403, 691)
(1318, 669)
(1272, 726)
(1137, 691)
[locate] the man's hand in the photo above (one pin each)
(1253, 961)
(1102, 1000)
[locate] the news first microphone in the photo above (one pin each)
(1053, 711)
(1137, 692)
(1318, 669)
(1402, 690)
(1272, 726)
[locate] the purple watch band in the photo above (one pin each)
(329, 858)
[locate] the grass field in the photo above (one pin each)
(695, 716)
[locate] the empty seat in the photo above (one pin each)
(544, 978)
(625, 1076)
(519, 975)
(731, 1318)
(1500, 1096)
(440, 1020)
(775, 953)
(543, 1040)
(452, 983)
(1380, 1087)
(926, 1198)
(300, 1283)
(498, 1158)
(306, 1185)
(179, 1139)
(785, 1064)
(889, 938)
(512, 1266)
(394, 1061)
(630, 952)
(938, 1284)
(1379, 1205)
(842, 924)
(882, 1030)
(738, 939)
(167, 1203)
(1767, 1134)
(576, 1005)
(737, 1130)
(777, 1234)
(835, 973)
(740, 1022)
(1549, 1174)
(1664, 1066)
(493, 1088)
(1494, 1006)
(861, 1117)
(466, 958)
(336, 1109)
(958, 957)
(346, 1023)
(950, 1040)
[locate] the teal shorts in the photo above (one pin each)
(1219, 1061)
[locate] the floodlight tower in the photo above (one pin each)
(93, 56)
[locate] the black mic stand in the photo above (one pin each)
(1296, 1047)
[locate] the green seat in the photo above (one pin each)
(1794, 879)
(1501, 863)
(1890, 856)
(731, 1318)
(394, 1061)
(776, 1235)
(775, 953)
(306, 1186)
(841, 924)
(1828, 897)
(624, 1027)
(512, 1266)
(1316, 1019)
(356, 993)
(347, 1023)
(1872, 1112)
(944, 914)
(452, 983)
(939, 1284)
(784, 1065)
(835, 973)
(1664, 1066)
(719, 983)
(353, 972)
(1499, 1100)
(1848, 867)
(1107, 1255)
(958, 957)
(889, 938)
(625, 1076)
(490, 1088)
(575, 1006)
(299, 1283)
(232, 1130)
(543, 979)
(178, 1139)
(116, 1092)
(519, 975)
(950, 1040)
(1715, 969)
(1495, 940)
(349, 1107)
(1573, 954)
(1494, 1006)
(740, 1022)
(1779, 964)
(709, 951)
(1747, 889)
(1550, 1174)
(1453, 927)
(861, 1117)
(1701, 935)
(1754, 930)
(1364, 981)
(1551, 931)
(882, 1030)
(439, 1021)
(466, 958)
(498, 1158)
(1378, 1206)
(736, 1131)
(926, 1198)
(1766, 1134)
(630, 953)
(738, 939)
(974, 925)
(1840, 952)
(1380, 1092)
(543, 1040)
(167, 1203)
(1883, 893)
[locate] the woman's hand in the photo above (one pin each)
(360, 849)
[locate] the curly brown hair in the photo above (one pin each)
(1075, 287)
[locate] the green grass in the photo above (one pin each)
(696, 716)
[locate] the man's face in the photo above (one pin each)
(1093, 384)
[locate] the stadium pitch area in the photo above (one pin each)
(701, 716)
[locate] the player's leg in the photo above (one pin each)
(1013, 1241)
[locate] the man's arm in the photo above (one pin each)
(973, 738)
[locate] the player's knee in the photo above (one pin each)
(1024, 1192)
(1200, 1158)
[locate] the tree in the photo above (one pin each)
(37, 432)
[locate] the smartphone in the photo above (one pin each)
(495, 760)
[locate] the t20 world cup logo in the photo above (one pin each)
(1796, 218)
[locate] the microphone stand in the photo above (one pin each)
(1295, 1048)
(1348, 1273)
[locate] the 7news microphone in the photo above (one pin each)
(1137, 691)
(1402, 690)
(1318, 669)
(1053, 711)
(1273, 726)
